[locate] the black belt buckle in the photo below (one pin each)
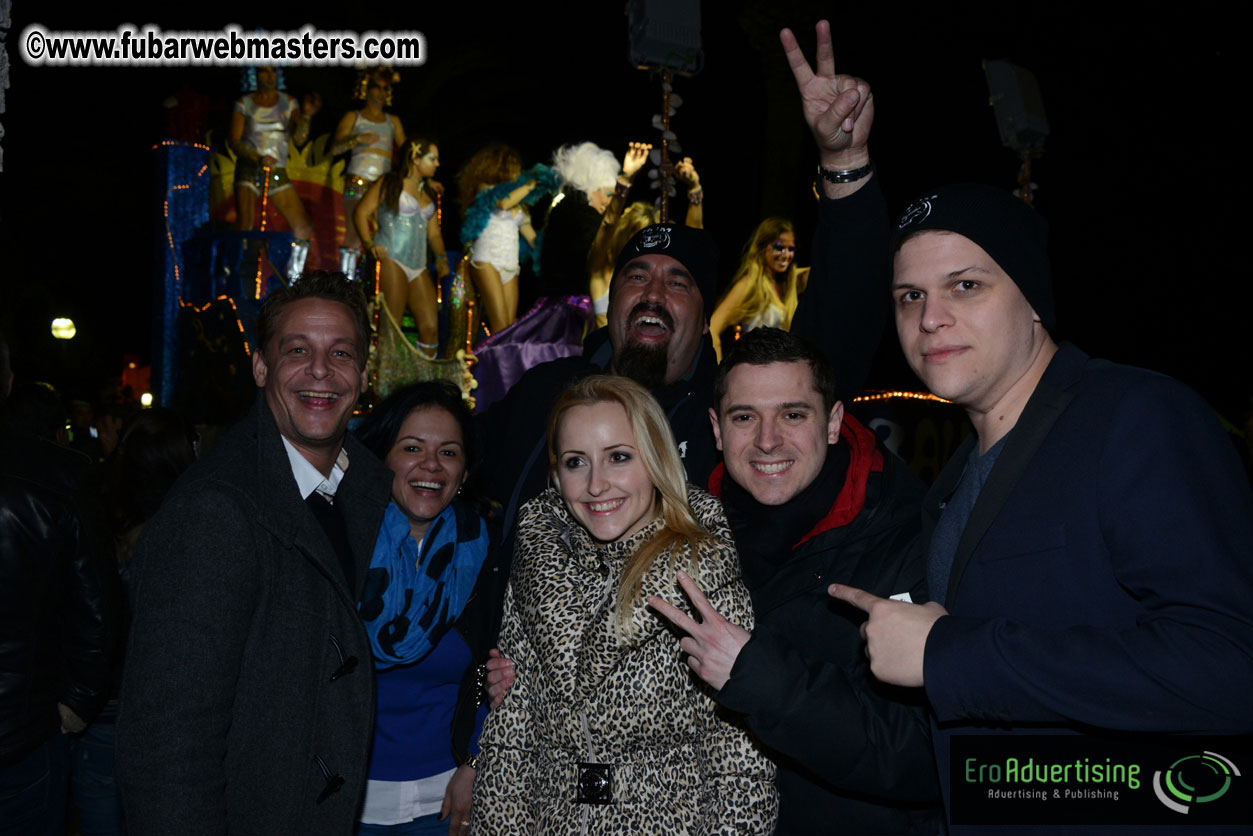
(594, 784)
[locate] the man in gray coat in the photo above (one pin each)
(248, 699)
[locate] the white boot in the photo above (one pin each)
(348, 257)
(296, 263)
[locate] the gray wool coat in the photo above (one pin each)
(248, 697)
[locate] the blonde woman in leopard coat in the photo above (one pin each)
(606, 731)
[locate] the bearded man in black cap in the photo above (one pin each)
(663, 290)
(662, 287)
(662, 293)
(660, 299)
(1091, 542)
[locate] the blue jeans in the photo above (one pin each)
(34, 791)
(424, 826)
(92, 781)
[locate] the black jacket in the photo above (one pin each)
(568, 235)
(248, 697)
(854, 755)
(58, 595)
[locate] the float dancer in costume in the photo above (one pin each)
(766, 286)
(370, 134)
(587, 174)
(407, 221)
(618, 225)
(493, 192)
(263, 120)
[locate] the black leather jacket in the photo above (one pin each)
(57, 595)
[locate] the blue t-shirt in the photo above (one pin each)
(414, 713)
(955, 513)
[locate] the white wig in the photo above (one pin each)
(586, 166)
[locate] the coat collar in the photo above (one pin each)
(362, 497)
(847, 507)
(1051, 397)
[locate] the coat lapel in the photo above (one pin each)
(1050, 399)
(287, 516)
(363, 497)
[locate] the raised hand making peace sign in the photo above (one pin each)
(713, 645)
(838, 108)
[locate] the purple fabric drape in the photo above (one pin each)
(553, 328)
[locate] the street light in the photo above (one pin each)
(63, 328)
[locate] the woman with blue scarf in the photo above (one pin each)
(431, 604)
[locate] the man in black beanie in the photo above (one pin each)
(1090, 546)
(659, 302)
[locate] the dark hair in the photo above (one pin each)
(154, 448)
(34, 409)
(381, 428)
(317, 284)
(394, 180)
(763, 346)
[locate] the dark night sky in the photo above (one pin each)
(1142, 181)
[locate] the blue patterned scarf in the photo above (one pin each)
(412, 598)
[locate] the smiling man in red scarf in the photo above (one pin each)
(813, 499)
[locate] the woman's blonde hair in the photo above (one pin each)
(634, 218)
(655, 444)
(758, 296)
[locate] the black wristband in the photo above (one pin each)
(848, 175)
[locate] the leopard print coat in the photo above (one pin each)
(584, 695)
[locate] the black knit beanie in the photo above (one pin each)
(1003, 225)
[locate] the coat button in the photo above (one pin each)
(350, 665)
(333, 785)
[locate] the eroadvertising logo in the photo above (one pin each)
(1088, 780)
(1193, 780)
